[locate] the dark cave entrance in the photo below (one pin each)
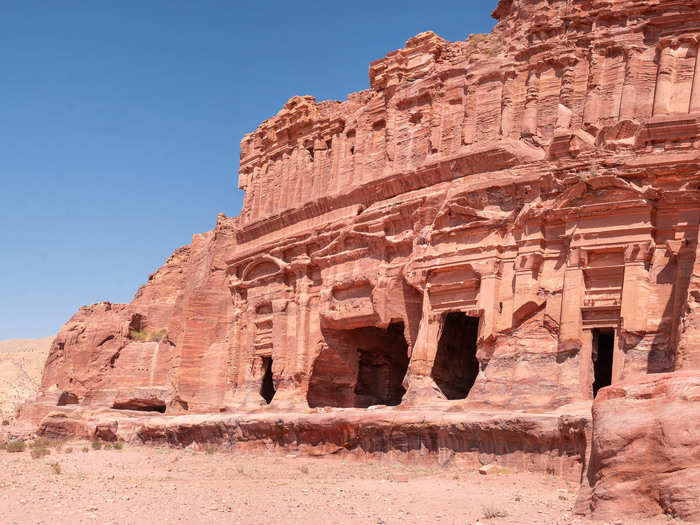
(456, 367)
(603, 347)
(360, 367)
(381, 370)
(267, 388)
(141, 405)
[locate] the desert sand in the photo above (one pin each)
(146, 485)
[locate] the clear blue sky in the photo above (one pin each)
(120, 124)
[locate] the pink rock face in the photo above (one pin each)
(510, 220)
(505, 223)
(646, 449)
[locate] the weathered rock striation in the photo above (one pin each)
(646, 452)
(505, 223)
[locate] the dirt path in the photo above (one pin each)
(140, 485)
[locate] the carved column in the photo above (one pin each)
(566, 92)
(683, 250)
(507, 98)
(586, 369)
(302, 298)
(529, 127)
(420, 386)
(571, 326)
(591, 108)
(664, 82)
(628, 102)
(488, 300)
(236, 337)
(688, 349)
(426, 343)
(695, 94)
(633, 310)
(527, 269)
(282, 361)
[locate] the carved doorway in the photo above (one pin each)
(456, 366)
(267, 388)
(602, 355)
(360, 368)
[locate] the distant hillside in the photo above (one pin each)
(21, 364)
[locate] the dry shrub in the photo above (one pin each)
(210, 448)
(491, 511)
(15, 446)
(39, 452)
(48, 443)
(55, 467)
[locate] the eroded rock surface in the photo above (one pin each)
(646, 450)
(505, 223)
(512, 219)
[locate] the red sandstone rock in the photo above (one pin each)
(646, 449)
(541, 180)
(551, 443)
(507, 222)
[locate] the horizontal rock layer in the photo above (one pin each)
(550, 443)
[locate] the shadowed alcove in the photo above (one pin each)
(456, 367)
(360, 368)
(603, 348)
(267, 388)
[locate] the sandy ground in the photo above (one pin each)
(163, 485)
(21, 364)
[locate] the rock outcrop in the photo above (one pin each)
(505, 223)
(646, 452)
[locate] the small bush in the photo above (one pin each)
(240, 469)
(39, 443)
(477, 38)
(118, 446)
(56, 468)
(210, 448)
(96, 445)
(106, 446)
(47, 443)
(145, 337)
(5, 422)
(86, 449)
(15, 446)
(138, 335)
(39, 452)
(304, 469)
(491, 511)
(484, 41)
(3, 445)
(158, 336)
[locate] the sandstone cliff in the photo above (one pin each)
(541, 180)
(504, 223)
